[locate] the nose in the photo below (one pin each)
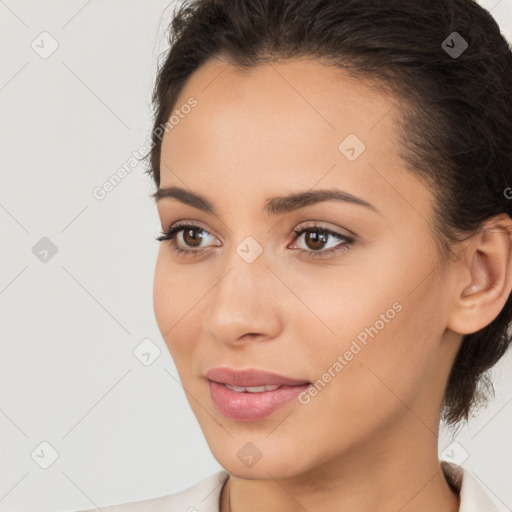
(243, 305)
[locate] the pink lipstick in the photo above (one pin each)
(251, 395)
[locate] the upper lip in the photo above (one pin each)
(250, 377)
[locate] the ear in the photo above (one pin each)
(484, 278)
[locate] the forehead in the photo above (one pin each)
(285, 122)
(295, 97)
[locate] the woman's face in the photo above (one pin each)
(364, 321)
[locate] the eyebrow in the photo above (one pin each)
(274, 205)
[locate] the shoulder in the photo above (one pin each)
(203, 496)
(473, 497)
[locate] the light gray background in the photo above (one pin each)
(123, 431)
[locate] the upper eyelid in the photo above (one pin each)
(179, 226)
(184, 224)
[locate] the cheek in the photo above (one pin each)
(383, 321)
(176, 308)
(161, 296)
(169, 300)
(173, 290)
(360, 388)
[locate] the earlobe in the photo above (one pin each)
(489, 265)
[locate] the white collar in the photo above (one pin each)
(473, 498)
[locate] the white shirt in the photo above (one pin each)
(204, 495)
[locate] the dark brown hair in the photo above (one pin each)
(455, 109)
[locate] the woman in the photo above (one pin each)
(334, 273)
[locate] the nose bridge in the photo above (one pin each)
(241, 302)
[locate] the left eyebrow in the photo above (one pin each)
(274, 205)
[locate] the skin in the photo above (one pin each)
(368, 440)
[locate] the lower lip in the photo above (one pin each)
(251, 406)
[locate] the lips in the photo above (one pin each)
(247, 406)
(251, 378)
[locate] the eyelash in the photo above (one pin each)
(346, 245)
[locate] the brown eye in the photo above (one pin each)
(190, 237)
(315, 240)
(189, 242)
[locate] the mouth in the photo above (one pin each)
(252, 405)
(251, 389)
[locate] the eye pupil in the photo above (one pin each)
(317, 237)
(191, 238)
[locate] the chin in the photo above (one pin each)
(253, 457)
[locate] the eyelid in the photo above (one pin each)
(188, 223)
(335, 229)
(344, 231)
(180, 226)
